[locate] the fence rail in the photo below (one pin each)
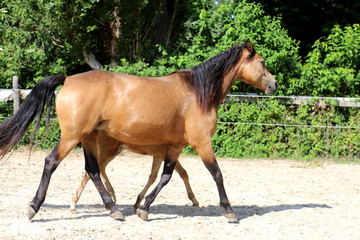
(7, 95)
(301, 100)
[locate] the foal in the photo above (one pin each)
(108, 148)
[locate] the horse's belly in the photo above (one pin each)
(145, 133)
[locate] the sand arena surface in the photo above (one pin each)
(273, 199)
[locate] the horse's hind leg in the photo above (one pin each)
(106, 149)
(92, 168)
(184, 176)
(154, 172)
(85, 180)
(83, 183)
(52, 161)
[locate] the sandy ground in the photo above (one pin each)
(273, 199)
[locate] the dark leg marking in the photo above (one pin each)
(165, 178)
(92, 168)
(51, 163)
(215, 171)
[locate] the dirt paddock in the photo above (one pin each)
(273, 199)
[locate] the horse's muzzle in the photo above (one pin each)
(271, 88)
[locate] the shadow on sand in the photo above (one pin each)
(242, 212)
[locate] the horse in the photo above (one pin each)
(178, 109)
(108, 148)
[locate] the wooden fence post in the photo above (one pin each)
(16, 93)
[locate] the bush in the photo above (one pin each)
(46, 139)
(238, 135)
(243, 140)
(332, 67)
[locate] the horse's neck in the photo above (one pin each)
(227, 82)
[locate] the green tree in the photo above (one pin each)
(20, 53)
(41, 38)
(46, 37)
(157, 22)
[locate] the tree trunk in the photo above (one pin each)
(115, 32)
(91, 60)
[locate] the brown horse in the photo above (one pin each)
(176, 110)
(106, 148)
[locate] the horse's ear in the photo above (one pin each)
(249, 45)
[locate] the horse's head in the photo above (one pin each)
(254, 71)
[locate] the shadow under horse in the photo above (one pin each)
(178, 109)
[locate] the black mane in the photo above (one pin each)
(206, 77)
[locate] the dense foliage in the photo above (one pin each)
(217, 30)
(40, 38)
(308, 21)
(312, 141)
(332, 68)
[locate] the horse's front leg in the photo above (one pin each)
(207, 155)
(169, 165)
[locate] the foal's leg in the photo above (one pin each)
(154, 172)
(78, 192)
(92, 168)
(184, 176)
(207, 155)
(106, 149)
(169, 165)
(83, 183)
(107, 184)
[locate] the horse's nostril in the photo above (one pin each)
(276, 84)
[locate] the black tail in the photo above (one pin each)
(40, 98)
